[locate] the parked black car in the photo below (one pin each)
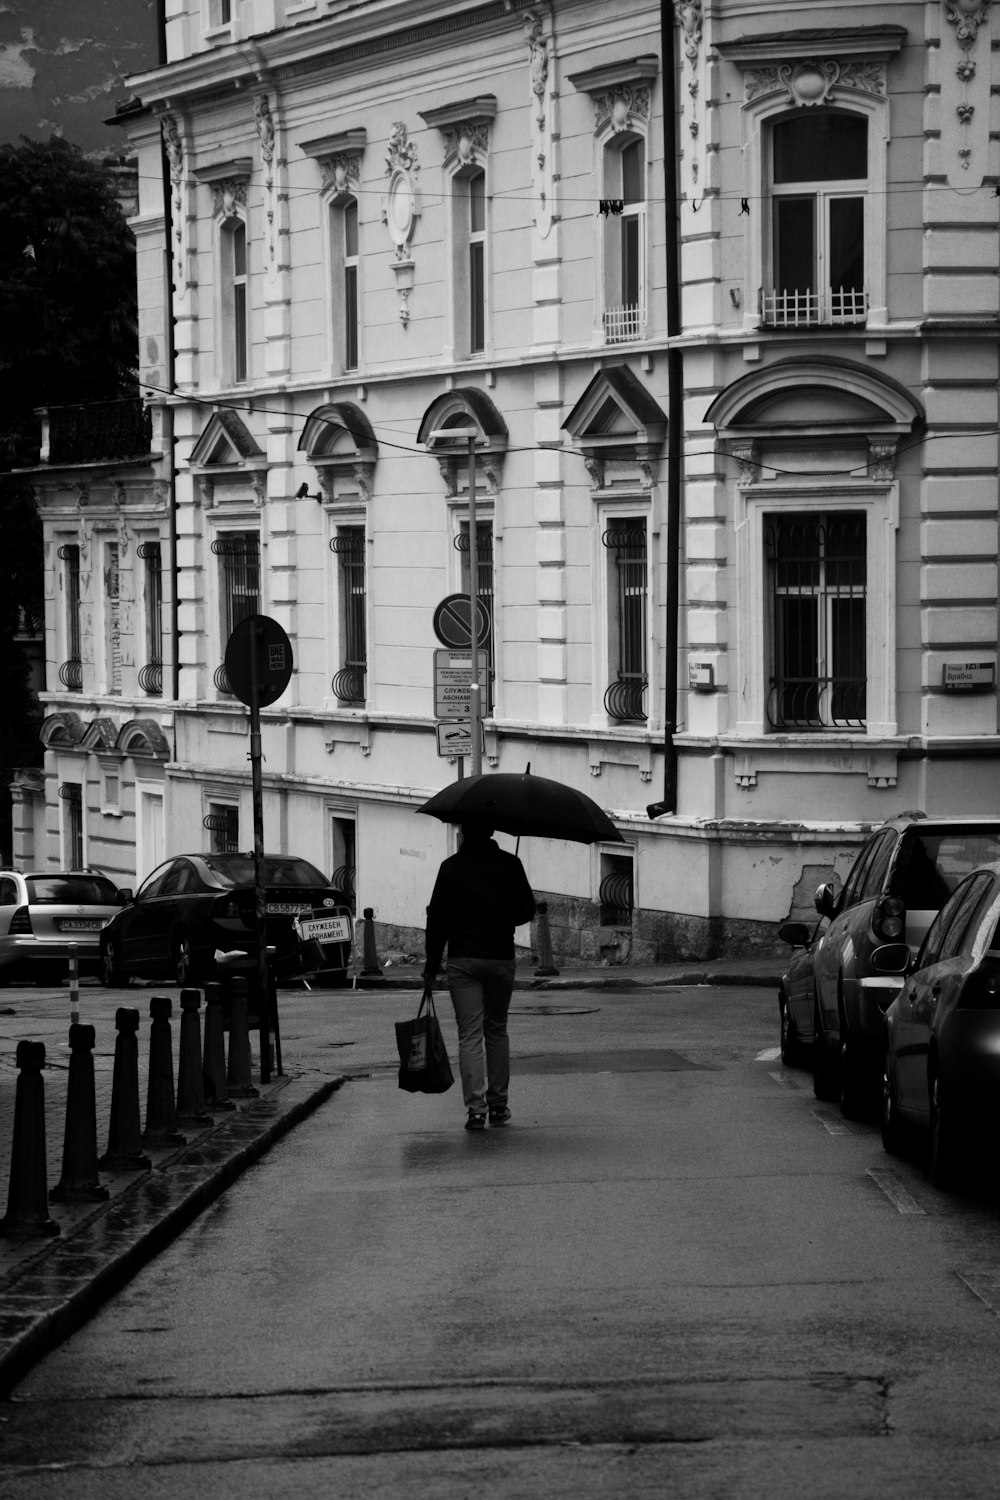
(196, 904)
(896, 886)
(797, 991)
(942, 1050)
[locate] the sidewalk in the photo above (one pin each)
(51, 1286)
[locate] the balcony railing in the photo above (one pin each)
(625, 699)
(808, 309)
(817, 703)
(151, 679)
(621, 324)
(349, 684)
(71, 674)
(96, 431)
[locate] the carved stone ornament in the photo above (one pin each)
(747, 457)
(538, 55)
(621, 106)
(364, 474)
(542, 176)
(258, 483)
(400, 210)
(595, 467)
(647, 468)
(966, 16)
(467, 143)
(812, 81)
(229, 196)
(206, 488)
(447, 467)
(689, 19)
(265, 126)
(881, 460)
(174, 148)
(341, 173)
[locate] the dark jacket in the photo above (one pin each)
(481, 894)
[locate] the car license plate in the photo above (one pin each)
(327, 930)
(80, 924)
(287, 909)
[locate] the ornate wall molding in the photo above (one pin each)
(965, 91)
(173, 145)
(229, 182)
(264, 121)
(689, 19)
(339, 158)
(816, 80)
(401, 209)
(466, 129)
(542, 105)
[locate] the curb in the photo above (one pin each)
(613, 981)
(59, 1290)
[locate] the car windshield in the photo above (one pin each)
(930, 864)
(70, 890)
(237, 869)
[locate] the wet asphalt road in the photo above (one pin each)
(675, 1272)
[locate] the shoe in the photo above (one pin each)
(475, 1122)
(499, 1114)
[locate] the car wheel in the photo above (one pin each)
(826, 1064)
(111, 974)
(184, 969)
(944, 1153)
(854, 1090)
(893, 1135)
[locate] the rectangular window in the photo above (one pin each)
(817, 573)
(625, 233)
(220, 13)
(625, 540)
(477, 263)
(151, 672)
(71, 795)
(222, 822)
(71, 670)
(485, 592)
(239, 559)
(239, 239)
(819, 169)
(349, 217)
(349, 547)
(112, 620)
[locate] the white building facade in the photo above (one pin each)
(363, 226)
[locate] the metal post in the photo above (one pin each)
(260, 898)
(74, 985)
(475, 707)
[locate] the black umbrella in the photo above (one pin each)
(525, 805)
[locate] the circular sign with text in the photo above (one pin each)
(258, 648)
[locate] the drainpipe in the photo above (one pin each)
(675, 413)
(168, 411)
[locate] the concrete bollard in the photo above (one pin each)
(79, 1182)
(543, 940)
(124, 1153)
(190, 1082)
(214, 1060)
(161, 1110)
(238, 1070)
(370, 966)
(28, 1199)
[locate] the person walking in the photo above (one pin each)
(481, 894)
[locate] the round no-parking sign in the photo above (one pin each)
(452, 622)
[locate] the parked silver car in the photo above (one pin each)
(43, 911)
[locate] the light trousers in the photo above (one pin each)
(480, 992)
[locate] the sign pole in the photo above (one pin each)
(475, 706)
(260, 897)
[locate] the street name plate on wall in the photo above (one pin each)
(968, 676)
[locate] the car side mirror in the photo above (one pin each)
(826, 900)
(891, 958)
(795, 933)
(125, 896)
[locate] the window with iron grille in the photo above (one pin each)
(112, 621)
(151, 672)
(817, 586)
(625, 540)
(349, 546)
(71, 670)
(239, 558)
(223, 823)
(819, 180)
(71, 793)
(484, 588)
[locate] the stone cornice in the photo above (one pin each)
(483, 107)
(235, 170)
(611, 75)
(344, 142)
(830, 41)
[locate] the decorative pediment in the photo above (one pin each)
(341, 443)
(63, 730)
(339, 157)
(620, 91)
(815, 400)
(227, 443)
(143, 737)
(100, 734)
(815, 65)
(463, 411)
(228, 181)
(617, 417)
(465, 127)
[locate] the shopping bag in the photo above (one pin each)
(423, 1060)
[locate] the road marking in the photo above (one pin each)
(785, 1079)
(985, 1288)
(894, 1190)
(830, 1123)
(769, 1054)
